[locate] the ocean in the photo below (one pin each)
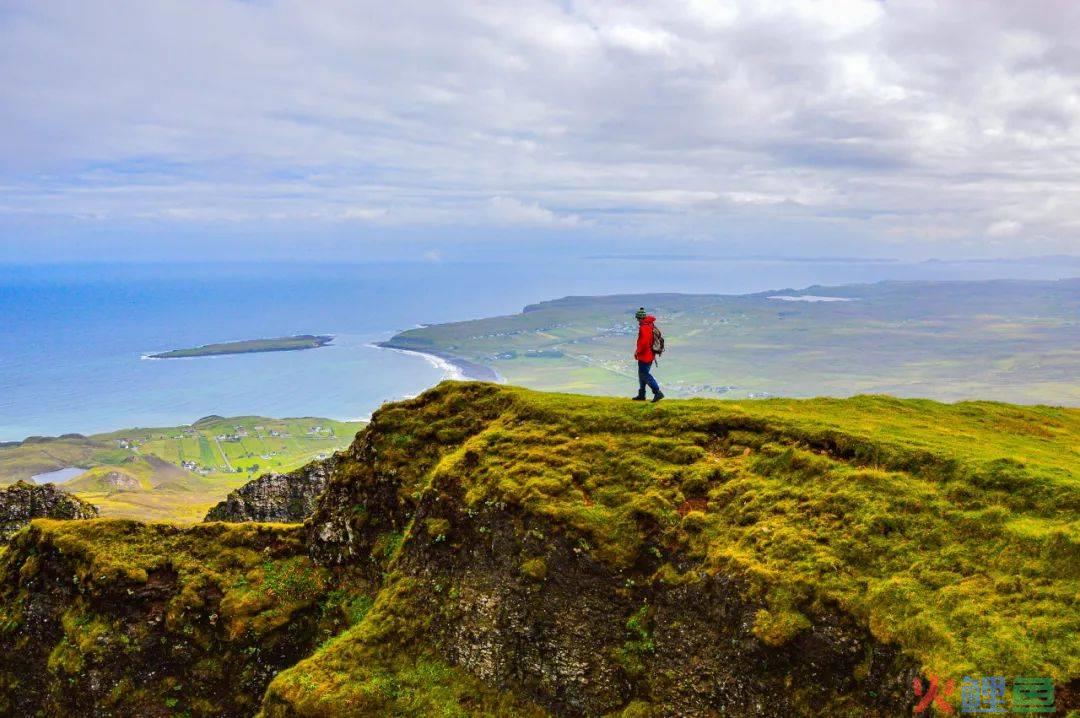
(74, 335)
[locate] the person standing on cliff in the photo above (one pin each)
(647, 338)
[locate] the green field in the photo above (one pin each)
(175, 472)
(1016, 341)
(249, 346)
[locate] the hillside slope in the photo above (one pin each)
(174, 473)
(486, 550)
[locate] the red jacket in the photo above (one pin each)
(644, 350)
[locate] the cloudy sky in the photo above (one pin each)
(301, 127)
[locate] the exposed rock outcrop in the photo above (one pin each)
(283, 498)
(114, 618)
(118, 481)
(22, 502)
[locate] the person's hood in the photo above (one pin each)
(649, 319)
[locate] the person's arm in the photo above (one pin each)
(643, 342)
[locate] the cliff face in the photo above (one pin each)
(282, 498)
(22, 502)
(489, 551)
(523, 607)
(117, 618)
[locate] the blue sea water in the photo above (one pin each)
(74, 336)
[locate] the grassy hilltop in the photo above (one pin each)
(487, 550)
(175, 472)
(1006, 340)
(950, 530)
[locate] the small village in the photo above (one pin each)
(261, 447)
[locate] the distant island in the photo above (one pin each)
(250, 346)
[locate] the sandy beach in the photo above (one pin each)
(451, 366)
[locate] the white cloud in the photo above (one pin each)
(923, 120)
(1004, 228)
(639, 39)
(507, 210)
(365, 213)
(755, 198)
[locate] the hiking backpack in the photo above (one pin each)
(657, 341)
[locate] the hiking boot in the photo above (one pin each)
(639, 397)
(657, 396)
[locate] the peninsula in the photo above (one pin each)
(250, 346)
(1001, 340)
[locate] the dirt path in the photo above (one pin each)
(223, 456)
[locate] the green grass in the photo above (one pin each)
(207, 457)
(230, 556)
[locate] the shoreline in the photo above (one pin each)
(453, 367)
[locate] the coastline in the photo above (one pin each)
(453, 367)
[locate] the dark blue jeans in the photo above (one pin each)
(645, 378)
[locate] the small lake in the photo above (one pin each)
(57, 477)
